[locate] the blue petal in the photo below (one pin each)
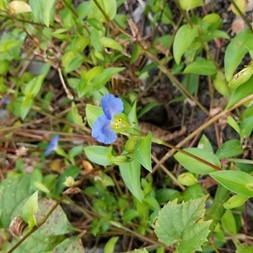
(52, 145)
(5, 101)
(102, 130)
(111, 106)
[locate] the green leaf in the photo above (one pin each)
(99, 154)
(235, 52)
(42, 10)
(183, 225)
(29, 209)
(233, 124)
(235, 201)
(92, 113)
(194, 165)
(241, 92)
(183, 39)
(205, 144)
(71, 61)
(201, 66)
(229, 149)
(70, 245)
(213, 34)
(130, 173)
(102, 78)
(83, 10)
(221, 84)
(190, 4)
(26, 105)
(95, 79)
(110, 245)
(244, 249)
(74, 116)
(236, 181)
(111, 43)
(212, 21)
(57, 223)
(50, 233)
(228, 222)
(240, 78)
(142, 151)
(144, 109)
(109, 7)
(33, 86)
(139, 251)
(14, 192)
(246, 127)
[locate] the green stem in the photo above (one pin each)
(216, 211)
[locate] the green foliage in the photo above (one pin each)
(201, 67)
(13, 200)
(244, 249)
(50, 233)
(236, 50)
(186, 226)
(194, 165)
(235, 201)
(241, 92)
(30, 208)
(228, 222)
(183, 39)
(236, 181)
(42, 10)
(110, 245)
(229, 149)
(142, 151)
(130, 173)
(171, 64)
(98, 154)
(191, 4)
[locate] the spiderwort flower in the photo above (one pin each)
(53, 145)
(102, 130)
(5, 101)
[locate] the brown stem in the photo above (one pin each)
(36, 228)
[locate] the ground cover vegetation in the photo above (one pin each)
(125, 126)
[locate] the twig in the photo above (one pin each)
(36, 228)
(201, 128)
(68, 93)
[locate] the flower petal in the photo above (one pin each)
(102, 130)
(111, 105)
(52, 145)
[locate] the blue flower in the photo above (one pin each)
(102, 130)
(53, 145)
(5, 101)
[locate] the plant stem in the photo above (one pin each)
(173, 79)
(36, 228)
(152, 57)
(204, 126)
(161, 142)
(216, 211)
